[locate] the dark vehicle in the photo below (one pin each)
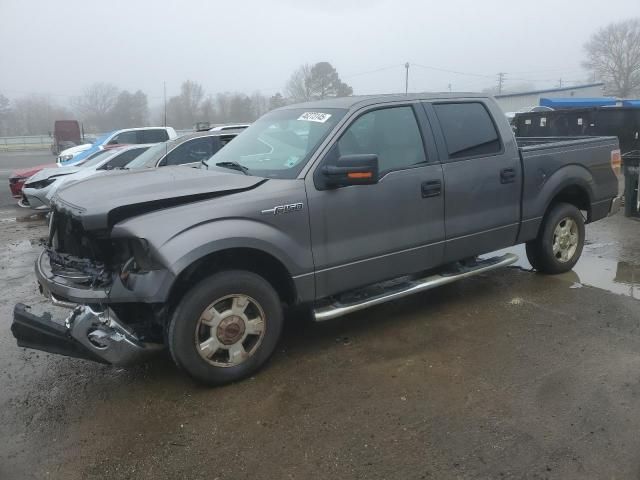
(338, 205)
(622, 122)
(66, 134)
(190, 150)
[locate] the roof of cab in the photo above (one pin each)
(365, 100)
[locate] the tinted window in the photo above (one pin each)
(468, 129)
(192, 151)
(121, 160)
(154, 136)
(125, 138)
(391, 133)
(95, 158)
(220, 141)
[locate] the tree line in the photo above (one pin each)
(612, 55)
(103, 106)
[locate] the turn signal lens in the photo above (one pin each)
(360, 175)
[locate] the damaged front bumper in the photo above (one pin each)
(87, 333)
(92, 331)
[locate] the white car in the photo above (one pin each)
(69, 153)
(39, 189)
(126, 136)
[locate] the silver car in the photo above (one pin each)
(39, 189)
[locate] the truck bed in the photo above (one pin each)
(549, 162)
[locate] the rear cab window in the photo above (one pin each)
(125, 138)
(155, 135)
(468, 130)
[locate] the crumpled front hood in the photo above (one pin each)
(52, 172)
(103, 200)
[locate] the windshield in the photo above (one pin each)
(150, 157)
(96, 158)
(279, 144)
(100, 140)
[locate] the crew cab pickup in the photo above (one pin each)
(338, 205)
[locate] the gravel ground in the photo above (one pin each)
(506, 375)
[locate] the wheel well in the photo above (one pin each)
(576, 196)
(252, 260)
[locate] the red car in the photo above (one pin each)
(17, 178)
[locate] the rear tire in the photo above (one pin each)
(560, 241)
(225, 327)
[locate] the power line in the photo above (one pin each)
(457, 72)
(398, 65)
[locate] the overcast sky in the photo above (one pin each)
(59, 47)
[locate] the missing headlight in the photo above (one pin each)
(40, 183)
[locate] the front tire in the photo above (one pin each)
(225, 327)
(560, 241)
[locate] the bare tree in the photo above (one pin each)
(297, 87)
(34, 115)
(259, 105)
(183, 110)
(316, 82)
(277, 101)
(129, 110)
(96, 103)
(207, 110)
(5, 111)
(613, 54)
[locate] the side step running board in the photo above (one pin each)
(338, 307)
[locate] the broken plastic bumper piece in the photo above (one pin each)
(87, 333)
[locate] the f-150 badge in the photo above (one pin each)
(278, 209)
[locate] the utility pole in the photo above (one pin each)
(449, 88)
(164, 88)
(406, 78)
(560, 83)
(500, 81)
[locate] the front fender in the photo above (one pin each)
(187, 246)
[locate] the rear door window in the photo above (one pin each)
(468, 130)
(154, 135)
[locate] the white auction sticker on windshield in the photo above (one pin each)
(315, 117)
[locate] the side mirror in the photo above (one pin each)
(351, 170)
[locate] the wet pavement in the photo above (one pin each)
(505, 375)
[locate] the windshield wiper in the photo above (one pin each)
(234, 166)
(204, 163)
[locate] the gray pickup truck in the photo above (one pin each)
(337, 205)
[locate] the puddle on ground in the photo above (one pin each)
(593, 269)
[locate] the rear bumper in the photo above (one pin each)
(616, 204)
(91, 335)
(15, 185)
